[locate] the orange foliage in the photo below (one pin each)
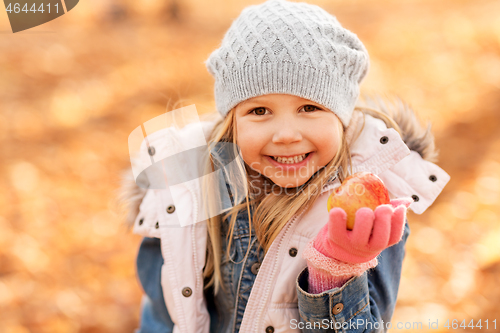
(73, 89)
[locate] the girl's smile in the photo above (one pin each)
(285, 137)
(290, 162)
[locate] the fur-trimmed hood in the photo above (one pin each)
(417, 137)
(414, 134)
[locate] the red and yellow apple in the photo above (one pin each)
(363, 189)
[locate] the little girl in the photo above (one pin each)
(287, 80)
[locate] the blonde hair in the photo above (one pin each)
(397, 115)
(269, 214)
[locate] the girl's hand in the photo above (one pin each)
(373, 232)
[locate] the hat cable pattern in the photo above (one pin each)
(289, 48)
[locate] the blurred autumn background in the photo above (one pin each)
(73, 89)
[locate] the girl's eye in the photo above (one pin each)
(310, 108)
(259, 111)
(262, 111)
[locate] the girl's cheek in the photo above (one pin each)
(249, 156)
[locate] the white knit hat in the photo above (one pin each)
(289, 48)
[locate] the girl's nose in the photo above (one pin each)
(287, 134)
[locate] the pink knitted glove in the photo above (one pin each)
(337, 254)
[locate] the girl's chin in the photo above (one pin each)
(281, 182)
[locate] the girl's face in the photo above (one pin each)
(285, 137)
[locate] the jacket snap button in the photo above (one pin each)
(151, 151)
(292, 252)
(384, 140)
(186, 292)
(432, 178)
(415, 197)
(255, 268)
(157, 225)
(337, 308)
(269, 329)
(141, 221)
(170, 209)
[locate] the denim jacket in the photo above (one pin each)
(368, 300)
(269, 294)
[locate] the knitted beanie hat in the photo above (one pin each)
(289, 48)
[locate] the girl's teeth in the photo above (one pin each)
(290, 160)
